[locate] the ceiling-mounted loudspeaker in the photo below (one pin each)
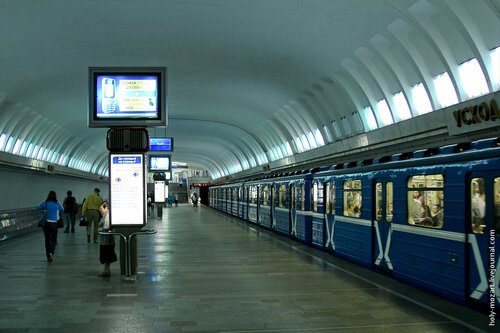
(133, 140)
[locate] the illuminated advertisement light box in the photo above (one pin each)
(159, 163)
(127, 190)
(159, 191)
(161, 144)
(127, 97)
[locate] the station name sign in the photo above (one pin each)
(481, 115)
(477, 114)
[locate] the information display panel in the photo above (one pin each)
(159, 162)
(127, 190)
(159, 191)
(127, 96)
(161, 144)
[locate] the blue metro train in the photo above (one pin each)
(430, 218)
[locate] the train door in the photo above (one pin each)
(293, 210)
(273, 196)
(382, 223)
(275, 203)
(484, 237)
(318, 212)
(246, 198)
(329, 196)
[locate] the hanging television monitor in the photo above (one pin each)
(159, 162)
(161, 144)
(127, 97)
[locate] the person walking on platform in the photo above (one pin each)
(70, 210)
(52, 208)
(107, 253)
(90, 210)
(194, 198)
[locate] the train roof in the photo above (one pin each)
(446, 154)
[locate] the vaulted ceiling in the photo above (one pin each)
(249, 81)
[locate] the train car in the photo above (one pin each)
(291, 209)
(237, 199)
(430, 218)
(417, 216)
(224, 198)
(322, 206)
(233, 199)
(281, 207)
(265, 201)
(219, 200)
(252, 190)
(211, 196)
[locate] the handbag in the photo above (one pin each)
(60, 223)
(42, 220)
(83, 222)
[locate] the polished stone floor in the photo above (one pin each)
(205, 271)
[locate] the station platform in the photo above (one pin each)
(205, 271)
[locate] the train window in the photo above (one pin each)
(302, 196)
(352, 198)
(478, 205)
(426, 200)
(330, 198)
(273, 195)
(320, 195)
(292, 196)
(282, 196)
(264, 197)
(378, 200)
(314, 195)
(497, 205)
(389, 198)
(253, 195)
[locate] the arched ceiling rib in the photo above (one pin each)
(245, 78)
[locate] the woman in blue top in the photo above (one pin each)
(52, 208)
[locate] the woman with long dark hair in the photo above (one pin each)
(52, 208)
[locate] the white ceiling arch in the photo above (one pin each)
(249, 81)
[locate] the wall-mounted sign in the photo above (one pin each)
(478, 114)
(127, 190)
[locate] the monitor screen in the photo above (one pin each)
(159, 163)
(161, 144)
(127, 97)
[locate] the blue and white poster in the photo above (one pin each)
(127, 189)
